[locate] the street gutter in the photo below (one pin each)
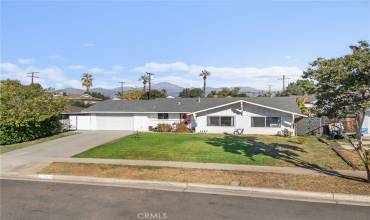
(321, 197)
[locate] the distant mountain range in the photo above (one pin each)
(172, 89)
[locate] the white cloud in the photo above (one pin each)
(76, 67)
(245, 76)
(288, 57)
(96, 70)
(51, 76)
(88, 45)
(118, 67)
(26, 60)
(222, 72)
(54, 56)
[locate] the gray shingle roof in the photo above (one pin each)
(188, 105)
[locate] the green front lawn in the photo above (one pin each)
(212, 148)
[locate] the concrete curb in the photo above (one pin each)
(335, 198)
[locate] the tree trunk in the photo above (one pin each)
(144, 87)
(204, 87)
(360, 148)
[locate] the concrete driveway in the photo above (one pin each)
(28, 159)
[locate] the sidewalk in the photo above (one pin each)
(29, 171)
(320, 197)
(217, 166)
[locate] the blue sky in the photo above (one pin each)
(241, 43)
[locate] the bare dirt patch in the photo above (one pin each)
(316, 183)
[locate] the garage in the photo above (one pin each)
(114, 122)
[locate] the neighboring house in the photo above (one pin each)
(366, 125)
(259, 115)
(85, 98)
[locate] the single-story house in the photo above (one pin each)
(257, 115)
(85, 98)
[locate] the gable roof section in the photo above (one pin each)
(189, 105)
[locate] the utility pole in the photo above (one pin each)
(32, 75)
(150, 82)
(284, 78)
(121, 87)
(270, 91)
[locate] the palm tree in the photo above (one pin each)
(87, 80)
(144, 79)
(204, 74)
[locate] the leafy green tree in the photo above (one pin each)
(158, 94)
(99, 95)
(87, 81)
(343, 88)
(134, 94)
(301, 87)
(227, 92)
(191, 93)
(79, 103)
(281, 94)
(28, 112)
(204, 74)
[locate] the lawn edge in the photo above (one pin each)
(321, 197)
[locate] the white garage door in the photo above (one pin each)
(83, 122)
(114, 122)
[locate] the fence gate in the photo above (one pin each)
(306, 125)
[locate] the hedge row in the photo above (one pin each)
(32, 131)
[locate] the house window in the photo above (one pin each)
(269, 122)
(162, 115)
(273, 122)
(258, 121)
(225, 121)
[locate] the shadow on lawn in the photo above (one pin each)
(250, 146)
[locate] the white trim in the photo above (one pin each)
(218, 106)
(103, 112)
(252, 103)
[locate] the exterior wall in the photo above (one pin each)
(242, 119)
(366, 124)
(141, 122)
(137, 122)
(172, 118)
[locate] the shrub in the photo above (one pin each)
(182, 127)
(286, 132)
(28, 112)
(164, 127)
(30, 131)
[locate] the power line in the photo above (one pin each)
(284, 78)
(32, 75)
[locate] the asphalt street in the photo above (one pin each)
(45, 200)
